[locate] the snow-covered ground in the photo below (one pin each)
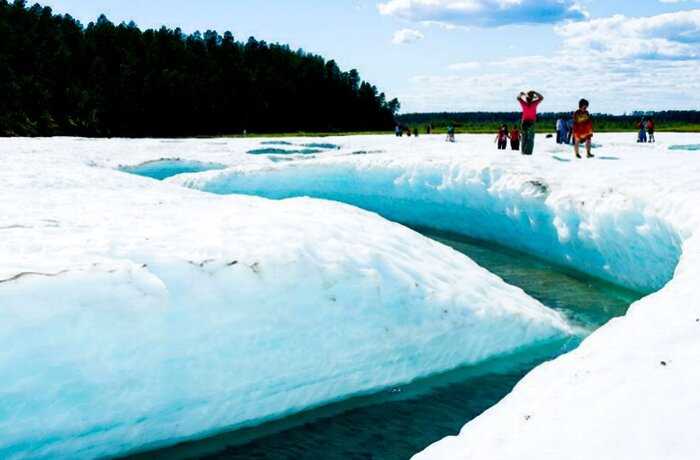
(169, 339)
(630, 216)
(136, 313)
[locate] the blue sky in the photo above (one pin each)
(467, 54)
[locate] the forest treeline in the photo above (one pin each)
(475, 122)
(58, 77)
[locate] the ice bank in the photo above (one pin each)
(136, 313)
(576, 215)
(631, 216)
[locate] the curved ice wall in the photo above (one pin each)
(610, 236)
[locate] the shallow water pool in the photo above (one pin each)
(687, 148)
(399, 422)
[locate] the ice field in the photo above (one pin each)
(137, 312)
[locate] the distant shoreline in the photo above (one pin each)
(542, 128)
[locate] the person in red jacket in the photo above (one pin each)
(583, 128)
(515, 138)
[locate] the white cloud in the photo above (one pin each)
(611, 87)
(666, 36)
(484, 13)
(469, 65)
(619, 63)
(404, 36)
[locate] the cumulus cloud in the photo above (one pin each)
(666, 36)
(619, 63)
(610, 86)
(404, 36)
(484, 13)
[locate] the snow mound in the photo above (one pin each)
(135, 313)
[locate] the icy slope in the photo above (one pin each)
(135, 312)
(630, 391)
(600, 217)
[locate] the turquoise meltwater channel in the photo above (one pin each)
(399, 422)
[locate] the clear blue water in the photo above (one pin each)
(288, 148)
(162, 169)
(278, 151)
(398, 422)
(323, 146)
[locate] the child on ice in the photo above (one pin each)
(515, 138)
(583, 128)
(502, 137)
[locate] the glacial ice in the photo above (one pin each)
(630, 390)
(136, 313)
(113, 384)
(586, 222)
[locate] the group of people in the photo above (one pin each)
(401, 130)
(646, 130)
(505, 134)
(578, 129)
(526, 134)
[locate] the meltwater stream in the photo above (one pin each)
(399, 422)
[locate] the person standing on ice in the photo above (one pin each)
(650, 130)
(559, 128)
(450, 133)
(583, 128)
(569, 130)
(502, 137)
(515, 138)
(563, 131)
(642, 131)
(529, 102)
